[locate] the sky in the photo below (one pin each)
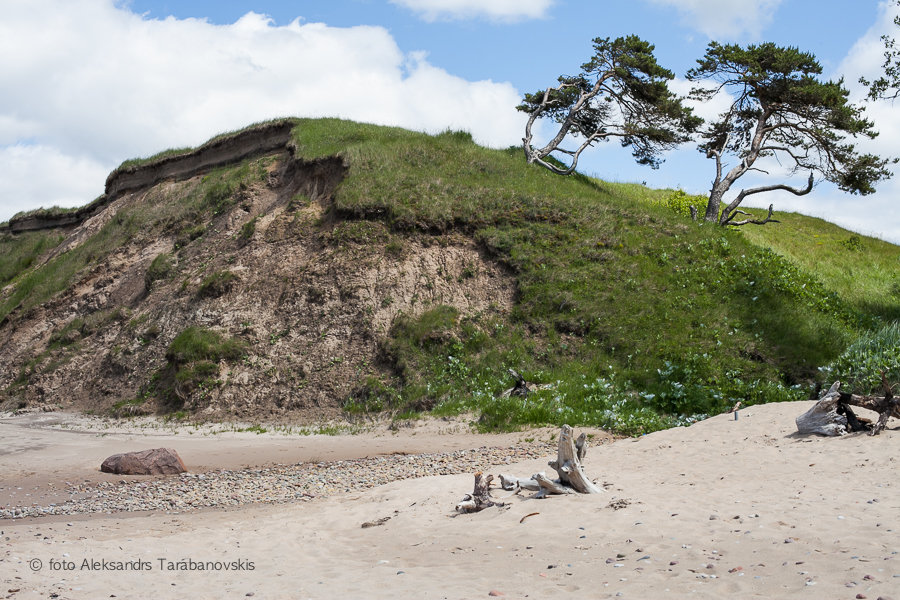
(87, 84)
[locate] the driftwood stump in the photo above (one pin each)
(480, 498)
(569, 455)
(832, 414)
(572, 478)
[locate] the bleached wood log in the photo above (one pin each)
(548, 486)
(568, 462)
(823, 417)
(510, 483)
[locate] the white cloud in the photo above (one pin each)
(40, 176)
(497, 10)
(93, 84)
(722, 19)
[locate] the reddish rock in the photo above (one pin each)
(158, 461)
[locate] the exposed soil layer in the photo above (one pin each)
(229, 149)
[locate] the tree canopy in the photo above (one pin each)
(888, 85)
(621, 92)
(780, 111)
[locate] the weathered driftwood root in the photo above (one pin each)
(511, 482)
(480, 498)
(569, 455)
(572, 478)
(522, 387)
(832, 414)
(549, 487)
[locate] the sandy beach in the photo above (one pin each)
(725, 508)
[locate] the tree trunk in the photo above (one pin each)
(568, 462)
(714, 205)
(823, 417)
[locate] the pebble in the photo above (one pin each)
(301, 482)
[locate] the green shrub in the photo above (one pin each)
(373, 395)
(160, 268)
(199, 343)
(680, 202)
(216, 285)
(859, 367)
(247, 231)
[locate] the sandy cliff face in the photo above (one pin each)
(311, 296)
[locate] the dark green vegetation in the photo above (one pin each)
(783, 112)
(859, 367)
(192, 364)
(636, 317)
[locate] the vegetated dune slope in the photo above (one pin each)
(302, 267)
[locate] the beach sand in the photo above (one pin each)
(722, 509)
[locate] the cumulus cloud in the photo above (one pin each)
(496, 10)
(93, 84)
(722, 19)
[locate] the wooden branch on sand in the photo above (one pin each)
(832, 414)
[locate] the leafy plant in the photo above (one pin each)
(859, 367)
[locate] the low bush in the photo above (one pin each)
(860, 366)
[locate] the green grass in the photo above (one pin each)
(864, 271)
(201, 344)
(192, 366)
(217, 284)
(160, 268)
(19, 252)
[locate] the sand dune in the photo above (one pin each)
(724, 508)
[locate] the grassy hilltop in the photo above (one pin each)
(637, 317)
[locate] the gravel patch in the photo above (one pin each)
(279, 484)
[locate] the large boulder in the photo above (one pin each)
(158, 461)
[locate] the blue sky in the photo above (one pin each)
(97, 81)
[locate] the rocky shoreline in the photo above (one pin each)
(277, 484)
